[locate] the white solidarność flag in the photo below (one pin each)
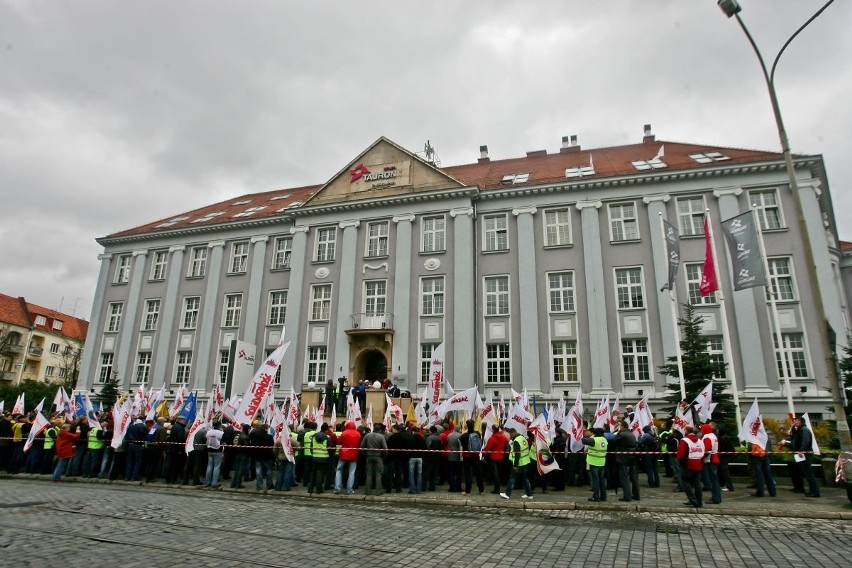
(259, 386)
(753, 430)
(39, 424)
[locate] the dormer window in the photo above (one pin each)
(652, 164)
(709, 157)
(513, 179)
(244, 202)
(171, 222)
(579, 172)
(209, 217)
(250, 211)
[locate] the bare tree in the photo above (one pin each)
(71, 355)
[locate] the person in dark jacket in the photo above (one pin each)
(177, 454)
(241, 458)
(135, 438)
(262, 450)
(628, 476)
(802, 444)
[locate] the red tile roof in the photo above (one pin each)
(72, 328)
(845, 246)
(13, 311)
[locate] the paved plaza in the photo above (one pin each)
(88, 523)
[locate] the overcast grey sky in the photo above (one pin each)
(115, 114)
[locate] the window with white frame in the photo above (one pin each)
(191, 309)
(496, 232)
(560, 290)
(183, 368)
(224, 362)
(54, 348)
(277, 307)
(317, 362)
(122, 269)
(375, 297)
(432, 296)
(320, 302)
(281, 253)
(151, 316)
(433, 234)
(690, 215)
(57, 325)
(767, 208)
(159, 264)
(377, 238)
(694, 273)
(622, 222)
(716, 351)
(426, 351)
(143, 367)
(497, 363)
(781, 279)
(114, 316)
(557, 227)
(40, 320)
(564, 358)
(793, 355)
(497, 296)
(63, 373)
(239, 257)
(197, 262)
(635, 363)
(49, 371)
(105, 368)
(326, 239)
(233, 310)
(629, 288)
(277, 379)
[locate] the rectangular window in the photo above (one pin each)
(557, 227)
(377, 239)
(224, 361)
(765, 204)
(63, 373)
(433, 234)
(191, 308)
(317, 361)
(496, 233)
(432, 296)
(159, 264)
(54, 348)
(49, 371)
(497, 363)
(497, 296)
(694, 273)
(426, 351)
(277, 307)
(197, 262)
(690, 215)
(114, 316)
(793, 355)
(105, 368)
(40, 320)
(57, 325)
(152, 315)
(781, 279)
(277, 380)
(634, 360)
(622, 222)
(143, 367)
(239, 258)
(281, 253)
(716, 351)
(122, 269)
(321, 302)
(375, 297)
(183, 367)
(326, 238)
(565, 366)
(628, 286)
(232, 314)
(560, 289)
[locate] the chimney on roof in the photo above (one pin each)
(649, 136)
(534, 153)
(569, 144)
(483, 154)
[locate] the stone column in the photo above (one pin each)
(345, 294)
(527, 276)
(171, 311)
(255, 289)
(122, 361)
(402, 291)
(92, 350)
(295, 296)
(462, 350)
(208, 345)
(657, 211)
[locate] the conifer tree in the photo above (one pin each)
(109, 393)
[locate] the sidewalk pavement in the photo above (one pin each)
(833, 504)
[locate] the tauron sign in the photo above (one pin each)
(376, 176)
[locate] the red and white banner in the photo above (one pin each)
(39, 424)
(602, 414)
(753, 430)
(260, 384)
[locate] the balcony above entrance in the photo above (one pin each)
(371, 322)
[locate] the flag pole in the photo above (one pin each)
(773, 314)
(673, 297)
(726, 335)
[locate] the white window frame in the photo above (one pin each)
(326, 239)
(49, 371)
(557, 227)
(151, 317)
(623, 224)
(767, 207)
(495, 232)
(191, 310)
(143, 367)
(375, 297)
(690, 215)
(114, 312)
(232, 310)
(239, 258)
(183, 367)
(627, 286)
(716, 351)
(426, 351)
(54, 348)
(224, 364)
(433, 233)
(378, 237)
(321, 295)
(497, 294)
(40, 320)
(635, 363)
(560, 293)
(105, 367)
(795, 355)
(565, 361)
(277, 379)
(281, 253)
(317, 364)
(694, 271)
(782, 279)
(498, 363)
(122, 269)
(197, 262)
(159, 264)
(432, 290)
(277, 312)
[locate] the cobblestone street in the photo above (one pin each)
(80, 524)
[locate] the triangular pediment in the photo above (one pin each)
(383, 170)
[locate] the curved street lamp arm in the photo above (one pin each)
(792, 37)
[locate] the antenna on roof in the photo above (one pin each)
(430, 155)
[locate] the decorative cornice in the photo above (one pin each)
(177, 248)
(214, 244)
(140, 253)
(814, 184)
(721, 192)
(400, 218)
(299, 229)
(664, 197)
(525, 209)
(374, 267)
(461, 211)
(353, 223)
(597, 204)
(185, 231)
(260, 239)
(403, 199)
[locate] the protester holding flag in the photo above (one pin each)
(262, 444)
(495, 454)
(690, 454)
(625, 446)
(20, 431)
(802, 444)
(520, 459)
(65, 441)
(471, 442)
(135, 439)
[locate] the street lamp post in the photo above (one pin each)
(732, 8)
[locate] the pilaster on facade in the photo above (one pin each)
(169, 316)
(401, 301)
(599, 342)
(462, 352)
(302, 229)
(527, 281)
(721, 192)
(588, 204)
(255, 287)
(526, 210)
(124, 349)
(466, 211)
(294, 327)
(397, 219)
(345, 295)
(206, 321)
(659, 256)
(656, 198)
(349, 224)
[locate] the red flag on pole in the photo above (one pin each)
(709, 282)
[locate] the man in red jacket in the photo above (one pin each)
(348, 441)
(690, 453)
(65, 446)
(495, 453)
